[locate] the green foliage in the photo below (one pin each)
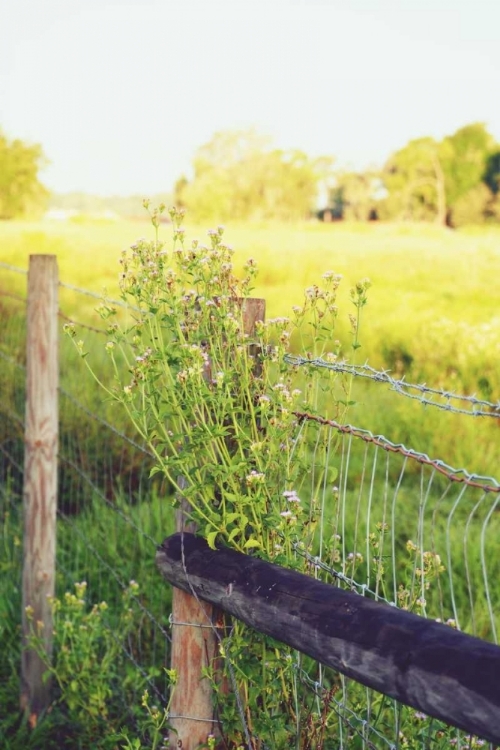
(466, 160)
(20, 189)
(473, 207)
(452, 180)
(270, 676)
(415, 183)
(238, 176)
(355, 196)
(89, 665)
(215, 404)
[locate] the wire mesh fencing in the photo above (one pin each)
(394, 524)
(110, 515)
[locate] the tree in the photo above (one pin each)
(20, 189)
(415, 182)
(492, 172)
(239, 176)
(466, 160)
(452, 180)
(473, 207)
(354, 197)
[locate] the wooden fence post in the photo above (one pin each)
(194, 642)
(40, 476)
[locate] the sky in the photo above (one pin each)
(121, 93)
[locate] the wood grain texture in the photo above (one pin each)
(40, 474)
(194, 641)
(430, 666)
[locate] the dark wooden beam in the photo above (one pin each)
(430, 666)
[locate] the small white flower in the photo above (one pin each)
(291, 496)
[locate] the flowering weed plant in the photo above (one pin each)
(201, 377)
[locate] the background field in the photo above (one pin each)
(432, 314)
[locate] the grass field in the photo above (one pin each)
(430, 285)
(432, 313)
(432, 316)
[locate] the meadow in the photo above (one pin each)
(431, 317)
(432, 314)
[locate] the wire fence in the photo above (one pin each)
(396, 524)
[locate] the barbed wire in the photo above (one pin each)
(16, 269)
(488, 484)
(73, 288)
(12, 361)
(489, 408)
(74, 322)
(16, 297)
(101, 297)
(105, 423)
(10, 458)
(111, 505)
(112, 570)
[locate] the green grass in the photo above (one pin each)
(131, 557)
(434, 290)
(432, 316)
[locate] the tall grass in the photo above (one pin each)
(431, 316)
(433, 305)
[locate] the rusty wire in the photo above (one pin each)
(488, 484)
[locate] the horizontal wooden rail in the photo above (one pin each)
(430, 666)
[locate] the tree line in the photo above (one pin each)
(454, 181)
(240, 175)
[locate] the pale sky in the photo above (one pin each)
(120, 93)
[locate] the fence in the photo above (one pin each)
(386, 502)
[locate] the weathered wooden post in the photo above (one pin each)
(194, 641)
(40, 476)
(422, 663)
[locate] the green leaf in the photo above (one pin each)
(234, 533)
(230, 517)
(252, 543)
(211, 539)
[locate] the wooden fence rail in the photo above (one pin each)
(422, 663)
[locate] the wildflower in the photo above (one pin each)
(250, 266)
(313, 292)
(355, 557)
(69, 329)
(29, 611)
(291, 496)
(255, 477)
(257, 447)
